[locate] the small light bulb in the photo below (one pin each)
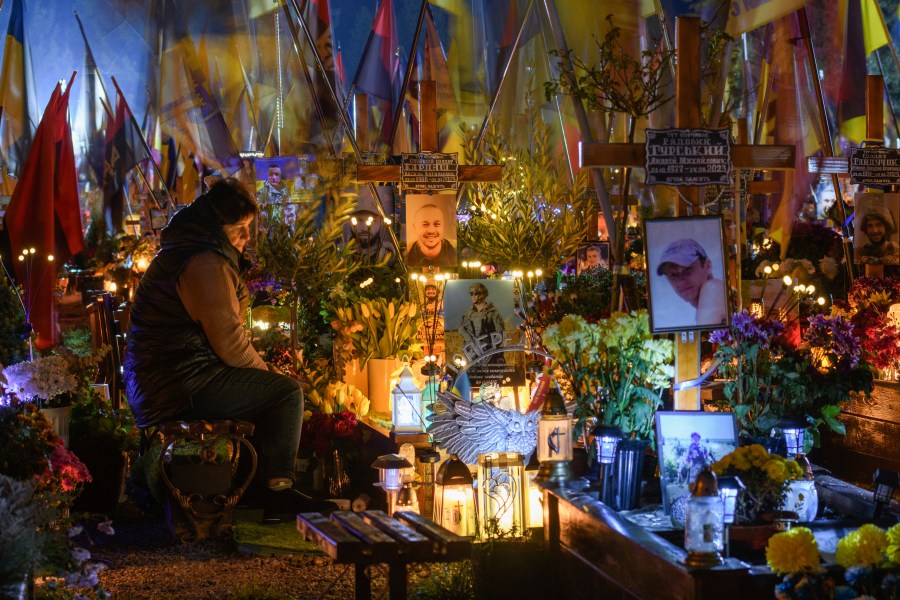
(353, 221)
(49, 258)
(387, 221)
(820, 301)
(810, 289)
(530, 274)
(538, 272)
(767, 270)
(787, 280)
(414, 276)
(776, 266)
(32, 250)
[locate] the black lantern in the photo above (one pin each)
(885, 483)
(606, 440)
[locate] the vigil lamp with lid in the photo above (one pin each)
(554, 440)
(704, 529)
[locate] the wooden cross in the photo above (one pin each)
(840, 165)
(687, 103)
(427, 143)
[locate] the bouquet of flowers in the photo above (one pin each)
(378, 328)
(767, 478)
(617, 369)
(45, 380)
(769, 378)
(868, 556)
(867, 305)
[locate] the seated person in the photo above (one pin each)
(188, 356)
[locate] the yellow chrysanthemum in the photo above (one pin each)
(893, 549)
(865, 546)
(775, 470)
(793, 551)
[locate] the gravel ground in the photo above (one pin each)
(144, 561)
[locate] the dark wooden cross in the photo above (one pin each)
(687, 104)
(428, 142)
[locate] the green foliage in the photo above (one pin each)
(78, 341)
(533, 217)
(618, 82)
(448, 581)
(378, 328)
(94, 419)
(26, 440)
(13, 348)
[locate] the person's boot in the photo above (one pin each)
(282, 506)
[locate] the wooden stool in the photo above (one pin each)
(373, 537)
(197, 464)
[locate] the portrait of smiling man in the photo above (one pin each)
(875, 241)
(433, 228)
(686, 273)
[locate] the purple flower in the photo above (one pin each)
(834, 335)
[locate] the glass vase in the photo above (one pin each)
(334, 475)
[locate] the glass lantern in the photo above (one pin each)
(885, 483)
(554, 440)
(501, 506)
(390, 469)
(606, 440)
(407, 401)
(729, 489)
(794, 431)
(704, 529)
(454, 498)
(534, 494)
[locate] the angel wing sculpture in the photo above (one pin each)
(468, 429)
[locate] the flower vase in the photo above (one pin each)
(379, 377)
(358, 378)
(335, 479)
(629, 472)
(803, 499)
(59, 418)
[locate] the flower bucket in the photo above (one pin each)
(379, 379)
(803, 499)
(629, 472)
(59, 418)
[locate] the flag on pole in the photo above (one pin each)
(125, 148)
(747, 16)
(186, 105)
(18, 106)
(43, 213)
(851, 97)
(91, 120)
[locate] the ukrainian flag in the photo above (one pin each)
(17, 102)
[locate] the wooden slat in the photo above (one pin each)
(768, 157)
(331, 538)
(884, 403)
(379, 545)
(410, 540)
(828, 164)
(874, 107)
(467, 173)
(446, 543)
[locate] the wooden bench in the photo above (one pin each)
(373, 537)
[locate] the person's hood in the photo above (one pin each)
(197, 227)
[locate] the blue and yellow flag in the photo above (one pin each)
(18, 109)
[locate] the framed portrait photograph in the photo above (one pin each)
(687, 441)
(430, 230)
(686, 273)
(875, 237)
(592, 256)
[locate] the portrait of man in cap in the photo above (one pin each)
(687, 287)
(875, 239)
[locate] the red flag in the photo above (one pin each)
(125, 148)
(43, 214)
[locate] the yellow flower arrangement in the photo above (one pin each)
(865, 546)
(793, 551)
(893, 549)
(766, 477)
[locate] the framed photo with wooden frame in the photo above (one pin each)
(686, 273)
(687, 441)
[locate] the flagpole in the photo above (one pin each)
(828, 147)
(309, 82)
(410, 65)
(146, 147)
(583, 123)
(343, 117)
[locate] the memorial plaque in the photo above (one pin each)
(429, 172)
(875, 166)
(689, 157)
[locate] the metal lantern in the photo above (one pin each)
(534, 494)
(885, 483)
(794, 431)
(606, 440)
(390, 468)
(407, 400)
(428, 461)
(501, 506)
(704, 529)
(554, 440)
(454, 497)
(729, 489)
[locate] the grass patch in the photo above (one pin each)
(252, 537)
